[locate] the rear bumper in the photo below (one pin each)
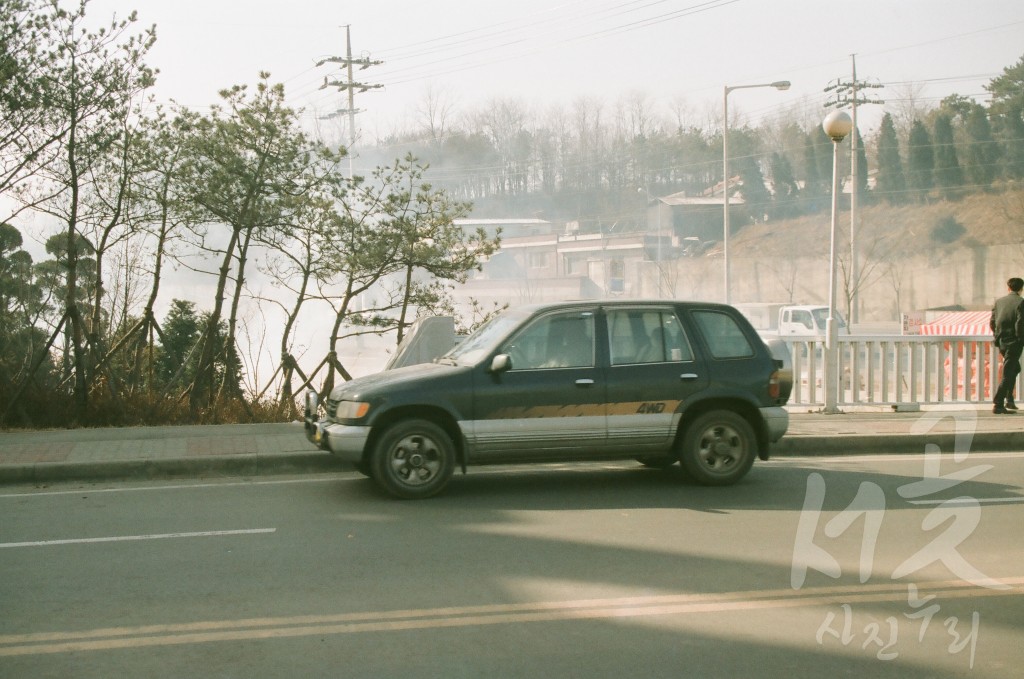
(776, 422)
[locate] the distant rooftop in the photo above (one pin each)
(493, 222)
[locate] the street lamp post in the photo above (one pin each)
(837, 125)
(779, 85)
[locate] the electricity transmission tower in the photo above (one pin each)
(351, 86)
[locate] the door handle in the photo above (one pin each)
(585, 382)
(688, 376)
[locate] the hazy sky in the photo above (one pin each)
(549, 52)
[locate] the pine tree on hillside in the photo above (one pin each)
(784, 184)
(891, 183)
(862, 166)
(949, 177)
(982, 162)
(1007, 111)
(755, 195)
(920, 161)
(813, 192)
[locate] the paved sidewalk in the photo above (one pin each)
(264, 449)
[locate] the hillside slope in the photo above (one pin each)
(979, 219)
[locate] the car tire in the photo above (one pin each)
(364, 467)
(413, 459)
(718, 448)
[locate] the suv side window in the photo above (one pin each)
(562, 340)
(646, 336)
(723, 335)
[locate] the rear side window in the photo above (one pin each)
(646, 336)
(723, 335)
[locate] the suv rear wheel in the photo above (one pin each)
(718, 448)
(413, 459)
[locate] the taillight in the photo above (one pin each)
(780, 384)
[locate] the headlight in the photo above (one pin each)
(351, 410)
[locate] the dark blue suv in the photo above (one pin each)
(656, 381)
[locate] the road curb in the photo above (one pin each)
(264, 464)
(946, 442)
(212, 465)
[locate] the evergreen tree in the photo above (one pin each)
(21, 300)
(1013, 143)
(1007, 110)
(891, 183)
(814, 184)
(182, 330)
(180, 335)
(957, 106)
(23, 354)
(785, 186)
(17, 291)
(949, 178)
(983, 152)
(921, 161)
(755, 195)
(862, 166)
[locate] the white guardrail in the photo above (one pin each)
(898, 369)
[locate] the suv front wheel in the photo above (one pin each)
(413, 459)
(718, 448)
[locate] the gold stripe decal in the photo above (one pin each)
(585, 410)
(528, 412)
(644, 408)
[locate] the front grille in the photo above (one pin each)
(330, 407)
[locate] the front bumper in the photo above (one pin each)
(343, 441)
(346, 442)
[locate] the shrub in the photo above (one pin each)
(947, 230)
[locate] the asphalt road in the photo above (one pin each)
(592, 570)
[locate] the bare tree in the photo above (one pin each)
(435, 110)
(908, 105)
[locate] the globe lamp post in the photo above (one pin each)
(837, 126)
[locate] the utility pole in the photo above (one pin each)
(846, 95)
(350, 86)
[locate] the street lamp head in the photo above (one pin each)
(781, 85)
(837, 125)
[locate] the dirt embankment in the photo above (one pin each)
(979, 219)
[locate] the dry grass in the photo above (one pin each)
(986, 218)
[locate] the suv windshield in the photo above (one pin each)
(485, 339)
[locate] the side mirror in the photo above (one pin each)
(501, 363)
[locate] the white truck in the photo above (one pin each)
(773, 319)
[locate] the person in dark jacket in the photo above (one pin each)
(1007, 325)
